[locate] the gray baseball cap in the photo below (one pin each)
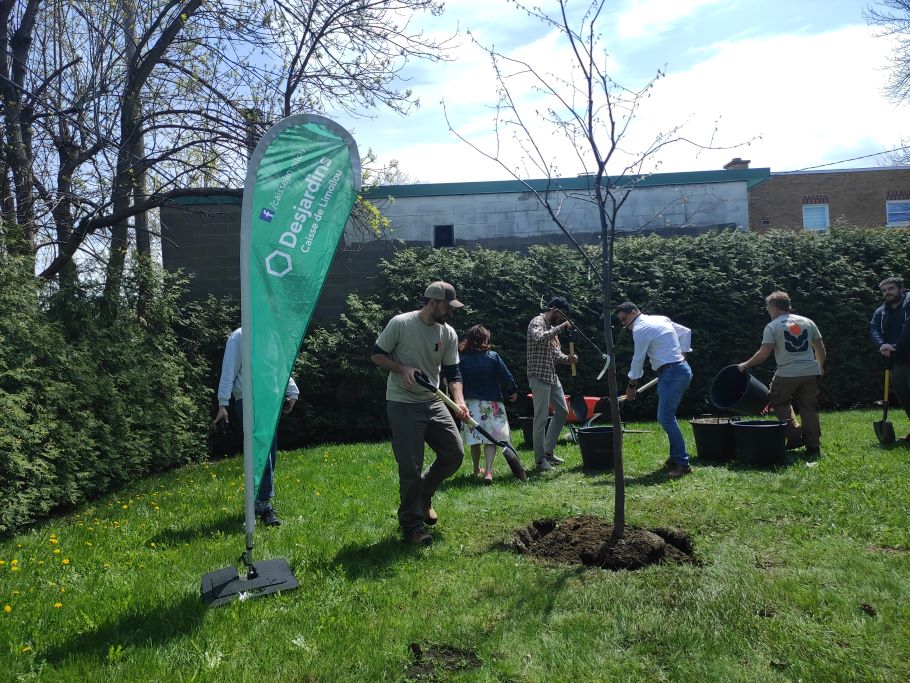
(443, 291)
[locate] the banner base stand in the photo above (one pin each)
(264, 578)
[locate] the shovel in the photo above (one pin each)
(508, 450)
(884, 430)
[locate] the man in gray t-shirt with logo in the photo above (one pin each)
(800, 354)
(411, 342)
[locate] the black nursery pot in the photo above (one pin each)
(760, 443)
(596, 445)
(714, 438)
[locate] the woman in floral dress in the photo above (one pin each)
(484, 374)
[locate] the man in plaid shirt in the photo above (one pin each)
(543, 354)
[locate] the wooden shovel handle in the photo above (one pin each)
(643, 387)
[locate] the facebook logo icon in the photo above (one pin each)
(266, 215)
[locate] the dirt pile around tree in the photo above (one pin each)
(589, 541)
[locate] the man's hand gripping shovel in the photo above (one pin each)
(508, 450)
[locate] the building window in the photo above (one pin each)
(443, 235)
(815, 216)
(766, 222)
(815, 212)
(898, 212)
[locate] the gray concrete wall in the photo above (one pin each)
(515, 220)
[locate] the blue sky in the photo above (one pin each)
(800, 81)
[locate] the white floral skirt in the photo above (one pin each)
(491, 415)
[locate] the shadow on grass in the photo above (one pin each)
(374, 559)
(144, 627)
(226, 524)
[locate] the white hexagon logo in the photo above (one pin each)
(274, 265)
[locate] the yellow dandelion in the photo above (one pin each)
(7, 608)
(126, 507)
(56, 551)
(14, 569)
(2, 562)
(317, 493)
(58, 605)
(106, 565)
(40, 562)
(15, 562)
(157, 508)
(152, 544)
(62, 589)
(54, 541)
(66, 560)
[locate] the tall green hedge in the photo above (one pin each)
(715, 284)
(88, 406)
(87, 403)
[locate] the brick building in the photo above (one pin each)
(816, 200)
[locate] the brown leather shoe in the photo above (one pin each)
(677, 471)
(418, 536)
(429, 514)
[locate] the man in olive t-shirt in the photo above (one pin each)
(422, 341)
(800, 354)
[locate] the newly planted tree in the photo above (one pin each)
(585, 109)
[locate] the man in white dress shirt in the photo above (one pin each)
(231, 384)
(664, 342)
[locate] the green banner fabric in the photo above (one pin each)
(301, 184)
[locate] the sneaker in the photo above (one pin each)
(269, 517)
(418, 536)
(554, 459)
(544, 465)
(678, 471)
(429, 514)
(488, 478)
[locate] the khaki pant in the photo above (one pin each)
(413, 425)
(803, 393)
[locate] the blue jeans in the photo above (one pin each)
(671, 385)
(267, 485)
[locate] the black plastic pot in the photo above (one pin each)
(596, 445)
(714, 438)
(738, 392)
(760, 443)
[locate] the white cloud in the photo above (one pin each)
(649, 18)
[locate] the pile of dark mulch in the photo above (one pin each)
(432, 662)
(589, 541)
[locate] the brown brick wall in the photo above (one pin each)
(855, 198)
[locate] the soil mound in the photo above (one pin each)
(433, 662)
(589, 541)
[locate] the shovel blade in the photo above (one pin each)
(884, 432)
(514, 462)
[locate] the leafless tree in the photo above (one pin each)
(125, 105)
(893, 19)
(593, 116)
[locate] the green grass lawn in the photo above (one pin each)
(804, 575)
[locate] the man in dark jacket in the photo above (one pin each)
(890, 331)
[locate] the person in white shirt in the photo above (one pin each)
(231, 384)
(665, 343)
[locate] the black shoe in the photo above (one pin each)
(418, 536)
(813, 452)
(269, 517)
